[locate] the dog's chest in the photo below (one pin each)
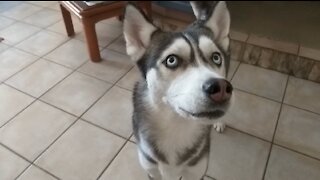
(174, 136)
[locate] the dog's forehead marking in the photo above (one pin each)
(180, 46)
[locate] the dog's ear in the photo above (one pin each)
(137, 31)
(217, 17)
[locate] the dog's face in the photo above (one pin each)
(185, 70)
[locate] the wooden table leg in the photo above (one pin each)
(92, 40)
(67, 20)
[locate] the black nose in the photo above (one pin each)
(219, 90)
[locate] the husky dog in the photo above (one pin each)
(183, 91)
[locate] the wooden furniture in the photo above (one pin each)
(90, 15)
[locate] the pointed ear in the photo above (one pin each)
(202, 9)
(137, 32)
(219, 23)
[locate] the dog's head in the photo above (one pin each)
(186, 70)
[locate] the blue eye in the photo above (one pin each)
(216, 58)
(171, 62)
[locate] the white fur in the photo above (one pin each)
(219, 23)
(137, 32)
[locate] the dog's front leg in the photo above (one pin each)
(151, 168)
(196, 172)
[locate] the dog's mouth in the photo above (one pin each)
(210, 114)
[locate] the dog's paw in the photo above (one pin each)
(219, 126)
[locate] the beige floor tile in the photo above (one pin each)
(11, 102)
(81, 153)
(113, 66)
(263, 82)
(42, 42)
(114, 22)
(113, 112)
(236, 156)
(207, 178)
(285, 164)
(76, 93)
(14, 34)
(106, 34)
(309, 53)
(71, 54)
(119, 45)
(126, 160)
(43, 3)
(12, 61)
(43, 18)
(55, 7)
(5, 22)
(6, 5)
(39, 77)
(303, 94)
(3, 47)
(11, 165)
(34, 173)
(273, 44)
(33, 130)
(59, 27)
(253, 114)
(232, 69)
(129, 80)
(239, 36)
(299, 130)
(21, 11)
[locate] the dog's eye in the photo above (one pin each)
(172, 62)
(216, 58)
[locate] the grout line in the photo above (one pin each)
(298, 152)
(257, 95)
(275, 130)
(317, 113)
(126, 142)
(235, 71)
(100, 127)
(246, 133)
(43, 151)
(78, 118)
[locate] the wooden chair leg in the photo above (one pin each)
(92, 40)
(67, 20)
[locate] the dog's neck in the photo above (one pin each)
(174, 133)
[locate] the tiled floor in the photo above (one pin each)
(64, 117)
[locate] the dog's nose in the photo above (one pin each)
(219, 90)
